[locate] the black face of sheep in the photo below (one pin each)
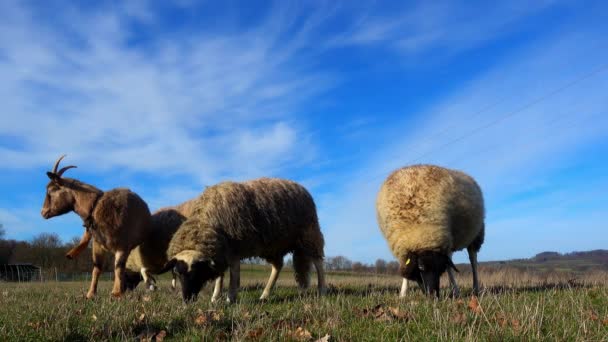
(192, 275)
(426, 269)
(132, 279)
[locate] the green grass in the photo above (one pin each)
(357, 308)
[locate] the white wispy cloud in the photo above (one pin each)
(198, 105)
(438, 28)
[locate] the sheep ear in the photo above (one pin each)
(169, 265)
(451, 264)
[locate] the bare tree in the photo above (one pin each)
(46, 240)
(380, 266)
(338, 263)
(358, 267)
(392, 267)
(2, 231)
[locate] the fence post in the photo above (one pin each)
(18, 275)
(40, 272)
(56, 277)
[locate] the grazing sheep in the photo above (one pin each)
(426, 213)
(118, 220)
(265, 218)
(151, 256)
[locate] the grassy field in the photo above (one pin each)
(357, 308)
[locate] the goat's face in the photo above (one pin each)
(193, 271)
(426, 269)
(59, 199)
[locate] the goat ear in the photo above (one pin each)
(54, 177)
(451, 264)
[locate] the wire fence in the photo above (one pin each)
(33, 273)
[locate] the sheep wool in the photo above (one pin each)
(426, 207)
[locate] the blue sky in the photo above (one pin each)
(167, 98)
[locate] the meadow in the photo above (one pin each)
(358, 307)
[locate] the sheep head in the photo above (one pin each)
(59, 199)
(193, 271)
(426, 269)
(132, 279)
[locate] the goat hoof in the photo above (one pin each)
(116, 295)
(90, 295)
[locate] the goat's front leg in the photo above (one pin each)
(235, 279)
(82, 245)
(120, 261)
(97, 269)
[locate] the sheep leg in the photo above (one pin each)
(82, 245)
(148, 279)
(173, 280)
(403, 288)
(320, 276)
(455, 289)
(217, 289)
(274, 275)
(120, 261)
(97, 269)
(473, 260)
(235, 274)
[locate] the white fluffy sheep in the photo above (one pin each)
(426, 213)
(232, 221)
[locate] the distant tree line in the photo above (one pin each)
(45, 250)
(48, 251)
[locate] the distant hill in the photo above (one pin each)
(576, 262)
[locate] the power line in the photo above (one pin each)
(507, 116)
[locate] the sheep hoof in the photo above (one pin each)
(152, 287)
(69, 256)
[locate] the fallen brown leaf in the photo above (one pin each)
(208, 316)
(324, 338)
(605, 321)
(515, 325)
(146, 298)
(255, 333)
(382, 313)
(474, 305)
(400, 314)
(592, 315)
(301, 334)
(161, 335)
(34, 325)
(459, 318)
(501, 319)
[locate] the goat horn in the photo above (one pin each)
(64, 169)
(57, 164)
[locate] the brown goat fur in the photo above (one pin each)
(117, 220)
(426, 213)
(265, 218)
